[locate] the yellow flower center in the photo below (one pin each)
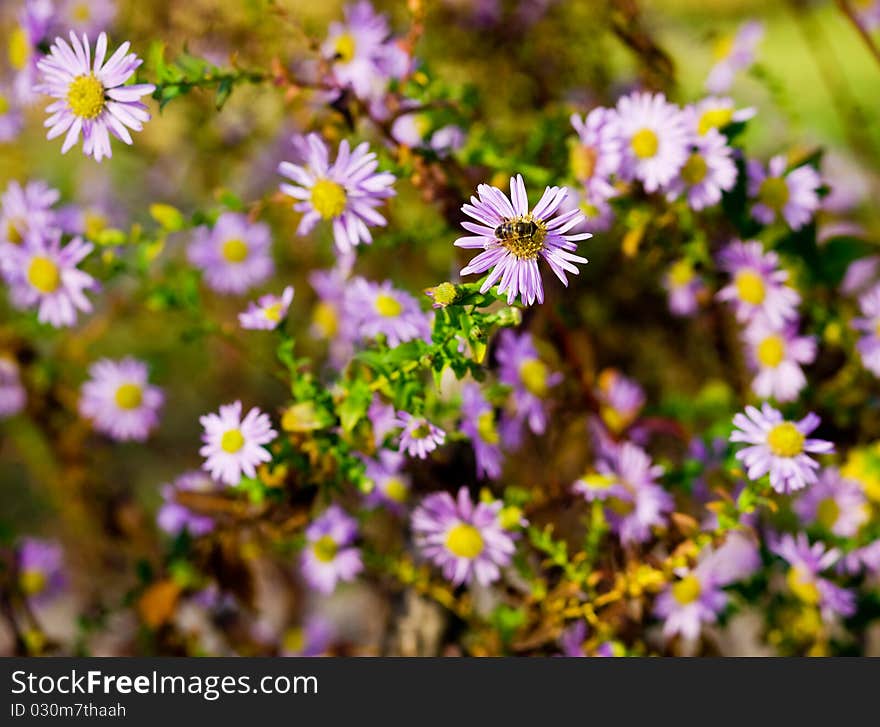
(325, 548)
(583, 161)
(325, 319)
(85, 96)
(722, 47)
(95, 224)
(827, 512)
(4, 104)
(345, 47)
(687, 590)
(81, 12)
(595, 481)
(802, 585)
(273, 312)
(681, 272)
(13, 234)
(486, 427)
(294, 640)
(785, 440)
(19, 49)
(464, 541)
(44, 274)
(32, 582)
(771, 351)
(750, 287)
(129, 396)
(388, 306)
(620, 506)
(395, 489)
(533, 374)
(774, 193)
(523, 236)
(234, 250)
(694, 169)
(420, 432)
(328, 198)
(714, 119)
(644, 144)
(232, 441)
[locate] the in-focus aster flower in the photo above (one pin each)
(684, 287)
(465, 540)
(119, 399)
(346, 192)
(707, 172)
(382, 309)
(234, 446)
(778, 447)
(792, 196)
(513, 238)
(235, 254)
(93, 99)
(732, 54)
(419, 436)
(391, 486)
(758, 286)
(869, 324)
(12, 394)
(329, 556)
(694, 599)
(716, 113)
(44, 275)
(807, 562)
(596, 155)
(478, 423)
(40, 569)
(87, 16)
(173, 518)
(267, 312)
(776, 356)
(655, 138)
(11, 117)
(837, 504)
(25, 211)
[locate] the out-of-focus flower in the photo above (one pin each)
(595, 486)
(329, 556)
(684, 287)
(120, 401)
(863, 465)
(620, 400)
(312, 639)
(778, 447)
(861, 275)
(707, 172)
(478, 423)
(689, 602)
(44, 275)
(733, 54)
(40, 569)
(86, 16)
(465, 540)
(235, 446)
(11, 117)
(513, 238)
(792, 196)
(596, 155)
(867, 13)
(758, 286)
(381, 309)
(173, 518)
(866, 558)
(330, 320)
(12, 394)
(24, 51)
(419, 436)
(94, 100)
(346, 192)
(869, 324)
(655, 139)
(807, 562)
(776, 355)
(25, 211)
(716, 113)
(571, 641)
(235, 255)
(391, 486)
(835, 503)
(383, 419)
(266, 313)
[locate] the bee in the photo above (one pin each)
(515, 229)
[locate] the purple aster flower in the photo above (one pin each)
(707, 172)
(92, 99)
(464, 539)
(235, 254)
(173, 518)
(716, 113)
(447, 139)
(329, 556)
(868, 13)
(694, 599)
(512, 239)
(346, 192)
(13, 397)
(792, 195)
(758, 285)
(24, 46)
(736, 559)
(639, 503)
(778, 447)
(776, 356)
(866, 558)
(120, 401)
(381, 309)
(655, 138)
(684, 286)
(11, 117)
(837, 504)
(598, 487)
(419, 436)
(807, 562)
(571, 641)
(234, 446)
(314, 638)
(391, 486)
(861, 275)
(25, 211)
(531, 379)
(40, 569)
(329, 318)
(621, 400)
(869, 324)
(383, 419)
(86, 16)
(597, 154)
(478, 423)
(44, 275)
(267, 312)
(733, 54)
